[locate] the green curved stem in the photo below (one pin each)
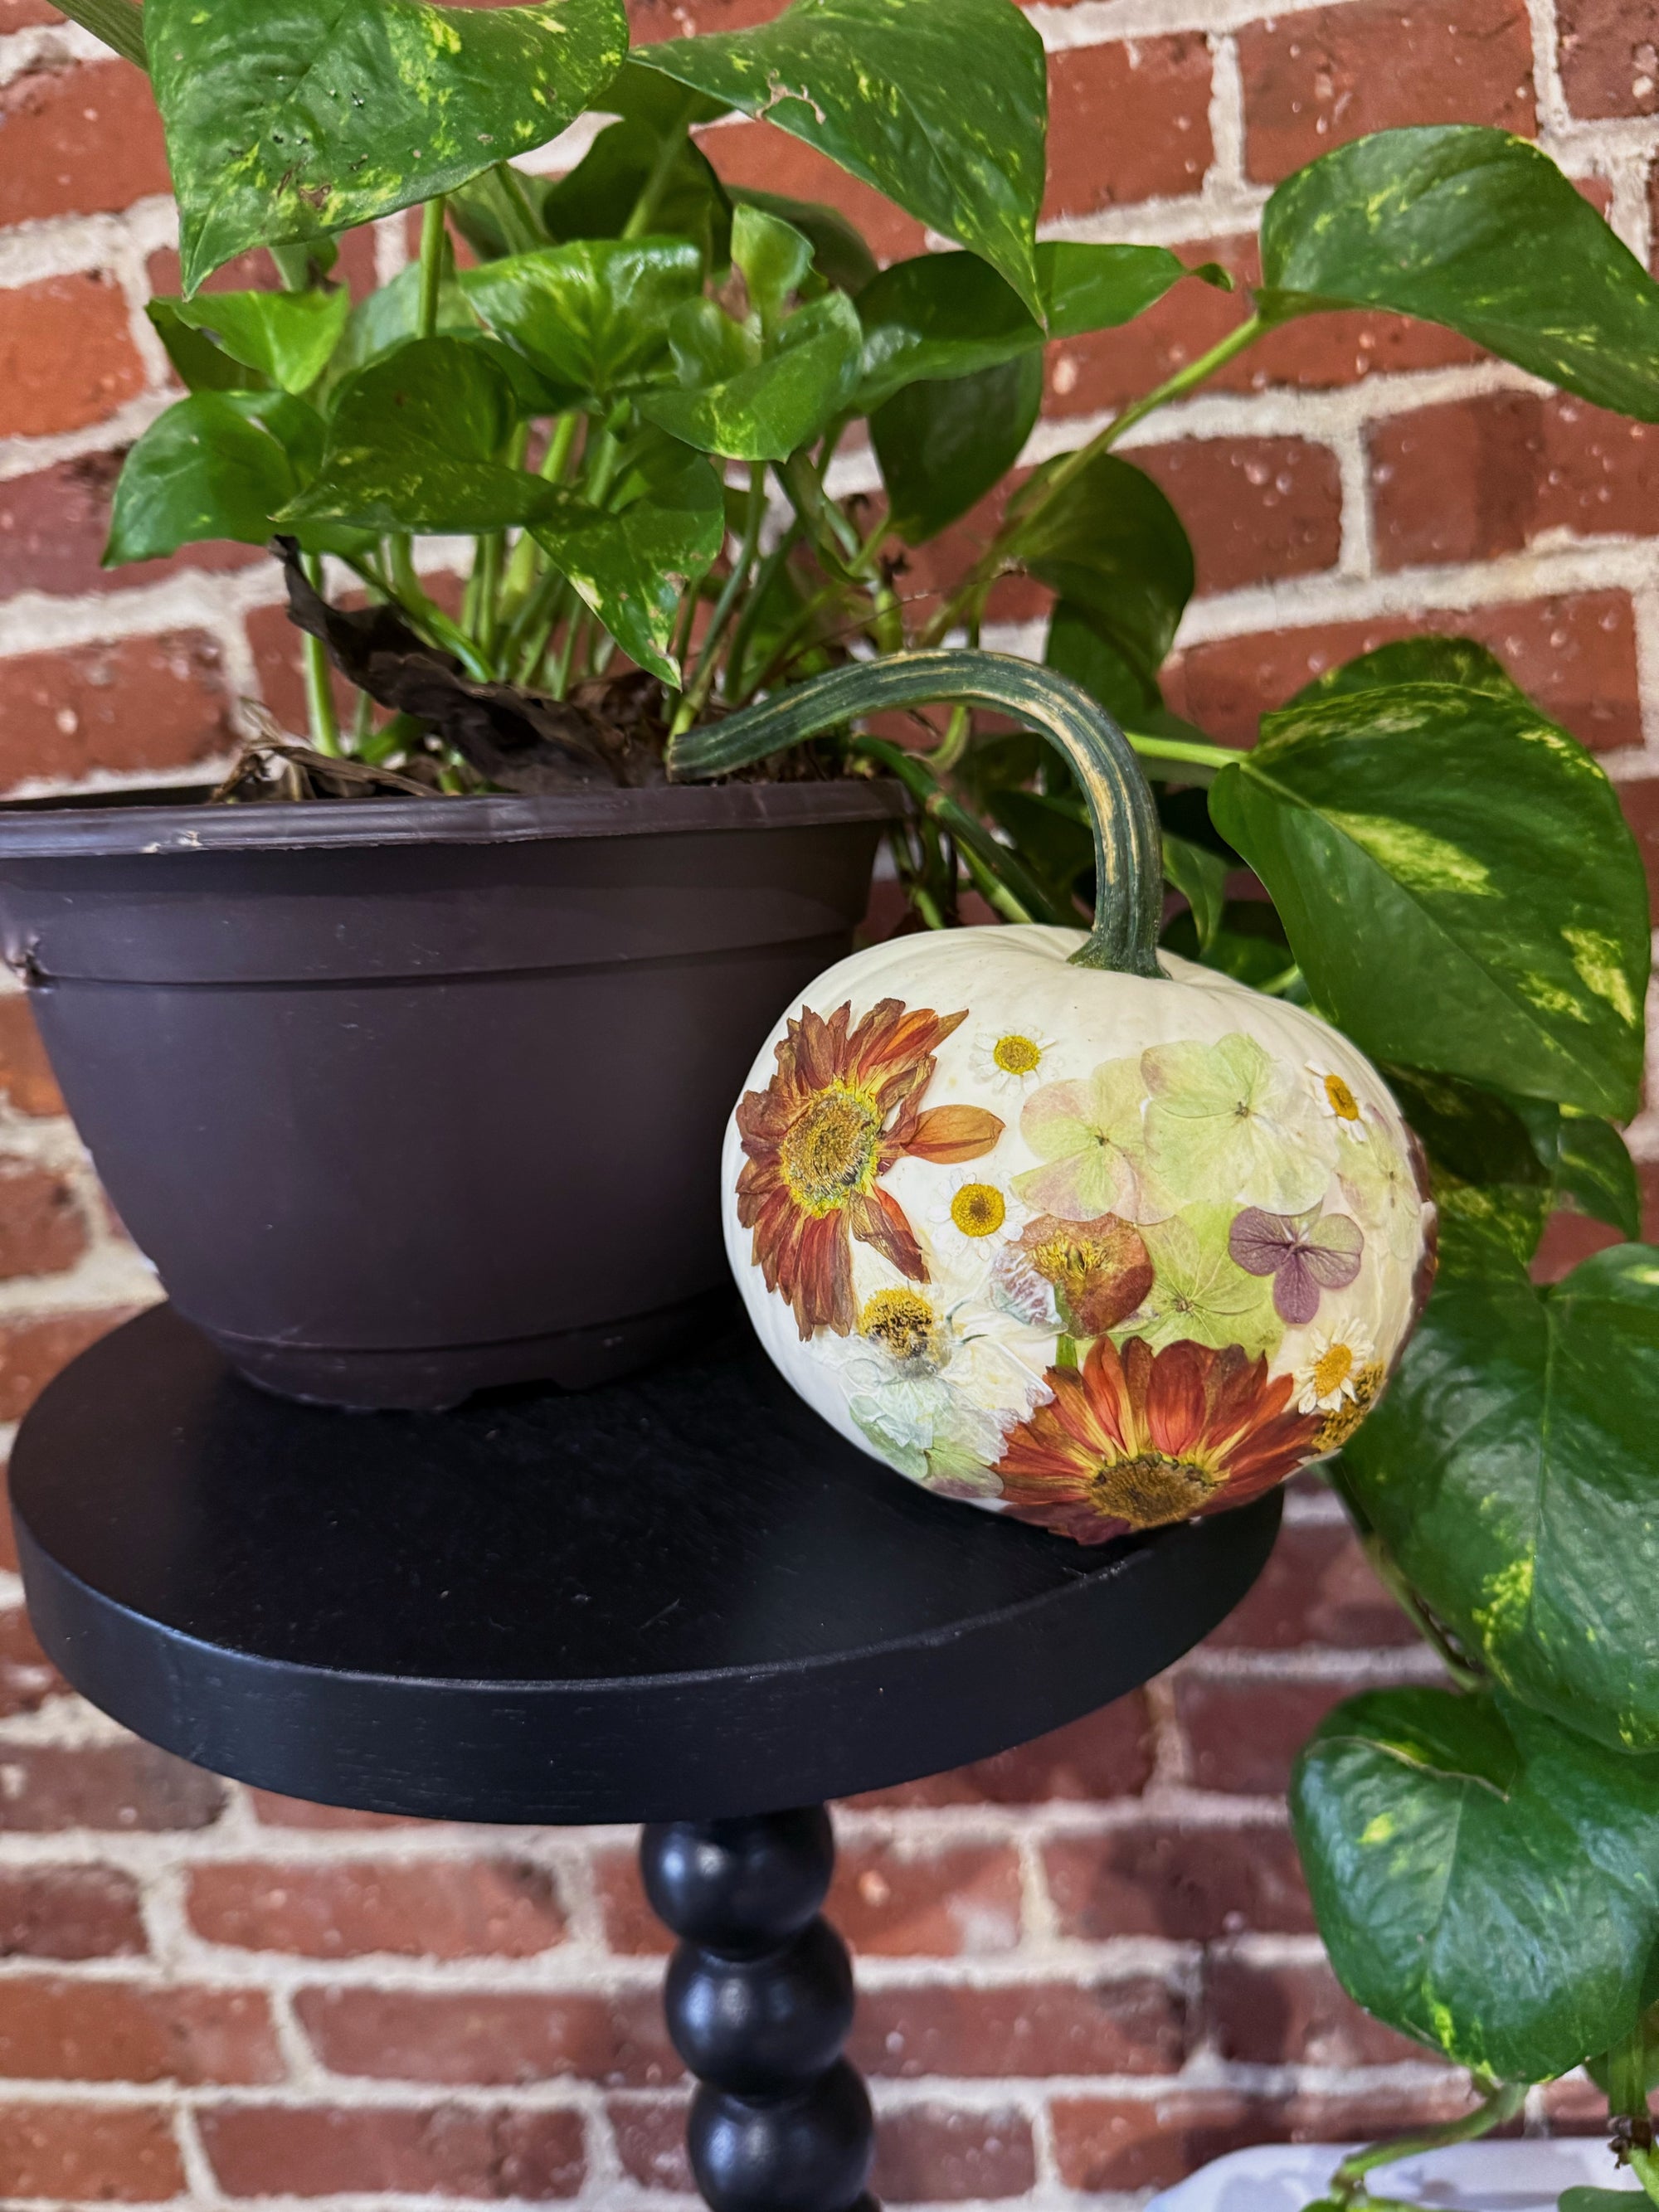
(1502, 2101)
(116, 22)
(432, 264)
(1128, 869)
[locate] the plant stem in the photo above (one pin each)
(696, 695)
(319, 689)
(432, 264)
(754, 606)
(1185, 751)
(1038, 490)
(1627, 2105)
(644, 212)
(116, 22)
(1501, 2101)
(969, 834)
(406, 589)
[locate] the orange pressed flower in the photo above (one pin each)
(1131, 1441)
(844, 1105)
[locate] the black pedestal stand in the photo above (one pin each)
(680, 1599)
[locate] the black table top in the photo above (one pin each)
(678, 1596)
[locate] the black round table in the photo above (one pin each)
(680, 1599)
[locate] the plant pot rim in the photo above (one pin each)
(125, 824)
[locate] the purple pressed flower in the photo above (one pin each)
(1304, 1254)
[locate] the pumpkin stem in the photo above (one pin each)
(1128, 869)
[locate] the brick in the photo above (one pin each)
(59, 2030)
(1110, 2143)
(89, 2154)
(453, 1909)
(948, 1903)
(932, 2154)
(649, 19)
(650, 2138)
(136, 703)
(84, 138)
(1569, 1238)
(67, 358)
(766, 159)
(443, 2150)
(70, 1912)
(1640, 800)
(27, 1677)
(1106, 1754)
(488, 2039)
(1473, 479)
(53, 525)
(126, 1787)
(1609, 61)
(22, 15)
(1316, 1588)
(1575, 654)
(1244, 1736)
(8, 1532)
(1316, 80)
(1132, 2026)
(27, 1083)
(1127, 122)
(41, 1231)
(32, 1352)
(1185, 1880)
(1256, 508)
(272, 1811)
(1294, 2015)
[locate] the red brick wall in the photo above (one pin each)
(1086, 1966)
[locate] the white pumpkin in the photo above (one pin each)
(1054, 1222)
(1094, 1249)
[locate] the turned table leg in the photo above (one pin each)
(759, 2000)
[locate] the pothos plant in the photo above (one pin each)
(627, 386)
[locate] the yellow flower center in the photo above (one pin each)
(1341, 1100)
(900, 1321)
(977, 1210)
(1152, 1488)
(1340, 1424)
(831, 1152)
(1331, 1368)
(1016, 1055)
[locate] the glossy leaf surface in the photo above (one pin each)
(1510, 1470)
(287, 335)
(219, 464)
(288, 119)
(942, 105)
(1486, 849)
(948, 314)
(759, 409)
(1484, 1881)
(943, 446)
(593, 316)
(661, 529)
(1111, 544)
(839, 253)
(414, 444)
(201, 365)
(1470, 227)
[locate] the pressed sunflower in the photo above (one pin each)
(1132, 1441)
(844, 1105)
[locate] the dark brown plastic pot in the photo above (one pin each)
(404, 1097)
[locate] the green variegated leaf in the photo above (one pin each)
(1486, 849)
(943, 446)
(1510, 1471)
(942, 105)
(592, 316)
(288, 119)
(1428, 659)
(1485, 1880)
(949, 314)
(414, 444)
(219, 464)
(662, 526)
(754, 405)
(390, 316)
(288, 336)
(839, 253)
(1470, 227)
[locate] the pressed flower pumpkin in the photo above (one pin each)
(1055, 1221)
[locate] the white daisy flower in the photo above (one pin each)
(1335, 1099)
(971, 1210)
(1330, 1374)
(1009, 1061)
